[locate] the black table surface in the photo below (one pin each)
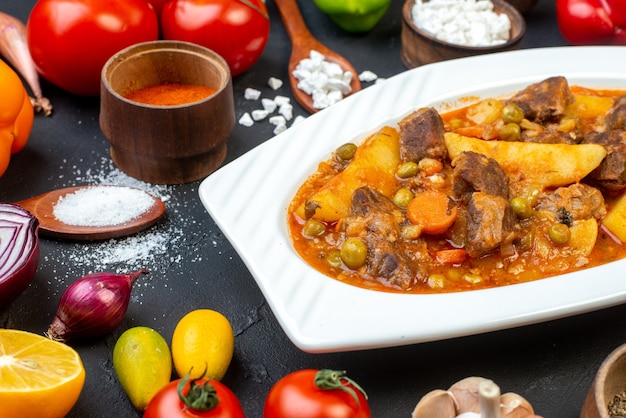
(193, 265)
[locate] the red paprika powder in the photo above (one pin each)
(170, 94)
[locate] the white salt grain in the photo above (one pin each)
(275, 83)
(246, 120)
(251, 94)
(102, 206)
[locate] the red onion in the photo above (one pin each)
(92, 306)
(14, 47)
(19, 251)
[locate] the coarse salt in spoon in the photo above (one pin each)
(94, 212)
(302, 43)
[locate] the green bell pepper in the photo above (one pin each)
(354, 15)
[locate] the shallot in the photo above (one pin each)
(19, 251)
(14, 47)
(93, 306)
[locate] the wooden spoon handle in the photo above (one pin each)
(293, 21)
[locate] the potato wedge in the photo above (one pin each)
(615, 220)
(374, 165)
(584, 236)
(533, 165)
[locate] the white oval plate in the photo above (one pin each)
(248, 199)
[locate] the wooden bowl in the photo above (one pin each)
(420, 47)
(609, 381)
(523, 6)
(166, 144)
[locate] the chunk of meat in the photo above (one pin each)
(375, 218)
(474, 172)
(545, 100)
(421, 136)
(615, 118)
(579, 200)
(611, 173)
(491, 223)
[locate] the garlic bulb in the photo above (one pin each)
(473, 397)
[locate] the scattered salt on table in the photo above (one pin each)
(102, 206)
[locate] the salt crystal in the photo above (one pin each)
(102, 206)
(246, 120)
(268, 104)
(281, 100)
(367, 76)
(281, 127)
(274, 83)
(251, 94)
(278, 120)
(259, 114)
(286, 110)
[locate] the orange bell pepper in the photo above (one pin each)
(16, 115)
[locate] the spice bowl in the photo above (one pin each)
(419, 47)
(167, 143)
(609, 382)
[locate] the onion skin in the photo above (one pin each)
(19, 275)
(93, 306)
(14, 47)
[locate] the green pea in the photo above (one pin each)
(512, 113)
(353, 253)
(334, 259)
(406, 170)
(402, 197)
(313, 228)
(510, 132)
(521, 207)
(346, 151)
(559, 234)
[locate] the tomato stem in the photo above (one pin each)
(335, 379)
(199, 397)
(255, 7)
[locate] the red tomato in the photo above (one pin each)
(235, 29)
(584, 22)
(167, 403)
(316, 394)
(158, 5)
(71, 40)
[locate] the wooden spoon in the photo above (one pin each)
(42, 207)
(302, 43)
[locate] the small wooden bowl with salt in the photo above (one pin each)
(167, 110)
(420, 47)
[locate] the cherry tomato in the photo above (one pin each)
(316, 394)
(71, 40)
(179, 399)
(235, 29)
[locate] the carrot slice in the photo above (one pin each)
(451, 256)
(433, 210)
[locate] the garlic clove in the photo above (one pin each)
(435, 404)
(489, 399)
(465, 393)
(515, 406)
